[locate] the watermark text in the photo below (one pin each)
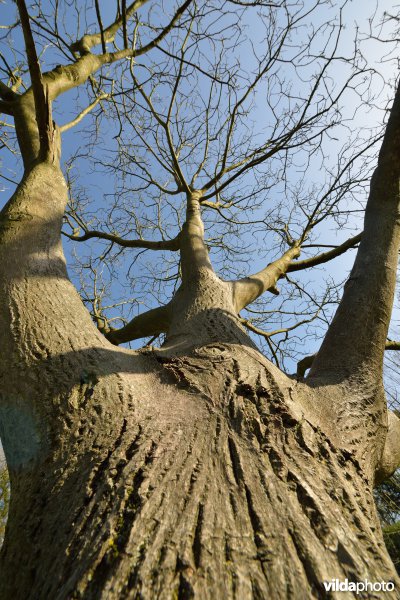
(336, 585)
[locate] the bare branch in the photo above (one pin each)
(102, 37)
(124, 29)
(255, 3)
(283, 330)
(306, 362)
(150, 323)
(172, 245)
(165, 31)
(82, 114)
(6, 107)
(392, 345)
(248, 289)
(325, 256)
(7, 93)
(165, 124)
(64, 78)
(198, 68)
(88, 41)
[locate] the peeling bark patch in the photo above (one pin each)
(134, 501)
(246, 390)
(233, 503)
(300, 437)
(193, 478)
(278, 410)
(258, 593)
(133, 581)
(184, 374)
(217, 430)
(133, 446)
(173, 368)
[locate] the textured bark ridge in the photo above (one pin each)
(201, 480)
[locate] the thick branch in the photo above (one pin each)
(306, 362)
(150, 323)
(250, 288)
(42, 102)
(355, 341)
(6, 108)
(7, 93)
(194, 252)
(87, 42)
(325, 256)
(392, 345)
(84, 45)
(390, 460)
(99, 19)
(149, 244)
(64, 78)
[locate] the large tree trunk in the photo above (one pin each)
(199, 470)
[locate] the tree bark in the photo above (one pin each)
(198, 470)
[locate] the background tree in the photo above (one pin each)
(388, 503)
(197, 468)
(4, 500)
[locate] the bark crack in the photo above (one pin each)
(235, 462)
(315, 582)
(196, 546)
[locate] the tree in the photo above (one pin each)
(4, 500)
(388, 503)
(199, 468)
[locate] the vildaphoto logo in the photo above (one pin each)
(336, 585)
